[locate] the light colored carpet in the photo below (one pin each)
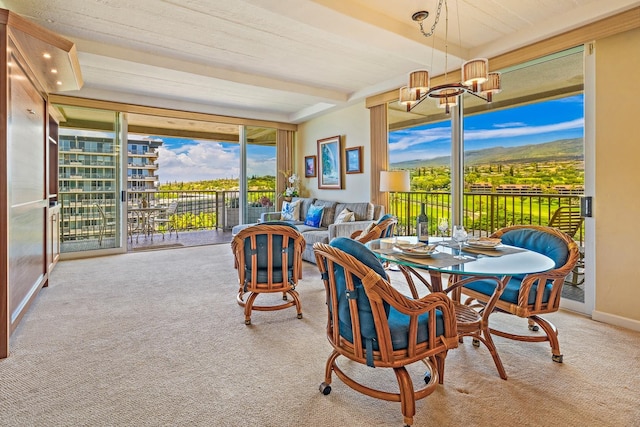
(157, 339)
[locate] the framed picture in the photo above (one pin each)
(330, 157)
(353, 160)
(310, 166)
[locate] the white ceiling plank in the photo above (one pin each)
(286, 60)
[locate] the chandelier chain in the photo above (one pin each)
(435, 22)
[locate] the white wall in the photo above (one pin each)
(352, 124)
(617, 200)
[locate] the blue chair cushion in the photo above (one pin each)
(387, 232)
(511, 291)
(398, 322)
(534, 240)
(384, 217)
(263, 260)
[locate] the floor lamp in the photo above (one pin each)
(395, 182)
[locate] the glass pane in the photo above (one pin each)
(88, 159)
(261, 173)
(523, 153)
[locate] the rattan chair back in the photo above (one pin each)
(268, 258)
(360, 301)
(385, 228)
(537, 293)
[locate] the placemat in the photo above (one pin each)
(438, 260)
(495, 252)
(498, 251)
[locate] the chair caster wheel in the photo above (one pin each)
(284, 297)
(247, 322)
(325, 388)
(300, 316)
(533, 328)
(427, 377)
(475, 342)
(556, 358)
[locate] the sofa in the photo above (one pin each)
(364, 212)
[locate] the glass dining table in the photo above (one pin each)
(498, 264)
(502, 261)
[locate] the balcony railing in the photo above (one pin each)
(197, 210)
(483, 212)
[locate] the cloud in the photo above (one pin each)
(406, 139)
(509, 124)
(402, 140)
(198, 161)
(518, 131)
(206, 160)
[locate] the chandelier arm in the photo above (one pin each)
(472, 78)
(477, 95)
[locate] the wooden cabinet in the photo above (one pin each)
(29, 220)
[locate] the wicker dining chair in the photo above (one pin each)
(371, 323)
(268, 258)
(531, 295)
(569, 219)
(385, 227)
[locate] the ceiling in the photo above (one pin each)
(285, 60)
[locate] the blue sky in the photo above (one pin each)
(529, 124)
(194, 160)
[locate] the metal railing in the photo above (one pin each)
(209, 209)
(201, 210)
(483, 213)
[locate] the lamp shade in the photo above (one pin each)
(475, 71)
(419, 82)
(448, 98)
(395, 181)
(406, 96)
(491, 86)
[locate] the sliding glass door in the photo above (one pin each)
(89, 157)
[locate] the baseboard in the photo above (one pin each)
(612, 319)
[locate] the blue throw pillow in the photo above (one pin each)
(314, 216)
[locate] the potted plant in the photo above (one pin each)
(293, 186)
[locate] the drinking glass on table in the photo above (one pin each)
(443, 226)
(459, 235)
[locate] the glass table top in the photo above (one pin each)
(503, 261)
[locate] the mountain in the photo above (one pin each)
(560, 150)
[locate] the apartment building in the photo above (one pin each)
(88, 173)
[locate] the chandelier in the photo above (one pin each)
(476, 79)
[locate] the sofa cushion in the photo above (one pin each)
(290, 211)
(304, 229)
(344, 215)
(329, 211)
(363, 211)
(314, 216)
(305, 202)
(315, 236)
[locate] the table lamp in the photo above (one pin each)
(395, 181)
